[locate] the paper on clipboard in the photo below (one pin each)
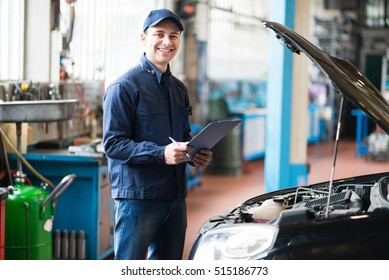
(210, 135)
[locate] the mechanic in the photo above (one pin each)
(143, 109)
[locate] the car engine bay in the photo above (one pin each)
(310, 203)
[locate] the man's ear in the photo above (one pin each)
(143, 37)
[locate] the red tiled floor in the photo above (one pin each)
(219, 193)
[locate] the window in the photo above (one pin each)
(106, 36)
(11, 34)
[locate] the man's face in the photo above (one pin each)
(162, 43)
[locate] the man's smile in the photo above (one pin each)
(166, 51)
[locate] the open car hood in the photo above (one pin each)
(352, 84)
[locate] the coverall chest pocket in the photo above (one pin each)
(152, 120)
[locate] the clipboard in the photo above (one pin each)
(210, 135)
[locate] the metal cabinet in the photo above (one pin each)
(254, 129)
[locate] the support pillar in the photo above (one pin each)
(287, 108)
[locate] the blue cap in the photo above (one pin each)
(157, 16)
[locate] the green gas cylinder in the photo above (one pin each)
(28, 230)
(29, 219)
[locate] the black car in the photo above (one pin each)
(340, 219)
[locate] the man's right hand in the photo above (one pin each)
(175, 154)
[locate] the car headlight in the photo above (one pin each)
(236, 241)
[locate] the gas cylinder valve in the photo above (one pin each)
(10, 189)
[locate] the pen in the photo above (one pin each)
(176, 143)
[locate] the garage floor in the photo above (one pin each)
(219, 193)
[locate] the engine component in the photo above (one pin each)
(269, 210)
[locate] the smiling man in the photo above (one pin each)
(143, 109)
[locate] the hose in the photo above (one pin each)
(23, 160)
(83, 101)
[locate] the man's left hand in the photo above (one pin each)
(202, 158)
